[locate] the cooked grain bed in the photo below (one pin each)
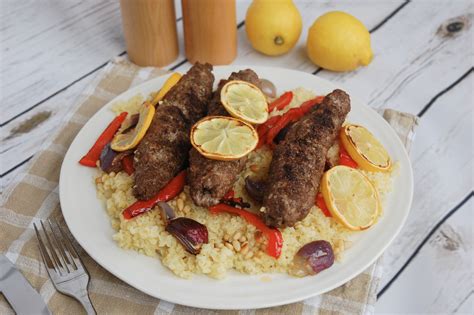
(233, 244)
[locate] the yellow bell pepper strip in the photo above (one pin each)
(90, 159)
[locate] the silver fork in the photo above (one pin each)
(63, 264)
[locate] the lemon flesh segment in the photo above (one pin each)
(223, 138)
(169, 83)
(129, 140)
(351, 198)
(245, 101)
(365, 149)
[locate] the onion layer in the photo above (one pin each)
(312, 258)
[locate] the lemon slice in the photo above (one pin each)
(223, 138)
(365, 149)
(351, 198)
(169, 83)
(245, 101)
(129, 140)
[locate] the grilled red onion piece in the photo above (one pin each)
(111, 161)
(254, 188)
(190, 233)
(167, 213)
(129, 124)
(268, 88)
(107, 157)
(312, 258)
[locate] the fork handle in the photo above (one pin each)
(85, 300)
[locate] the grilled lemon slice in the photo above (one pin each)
(245, 101)
(351, 198)
(129, 140)
(365, 149)
(169, 83)
(223, 138)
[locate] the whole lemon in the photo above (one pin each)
(273, 26)
(338, 41)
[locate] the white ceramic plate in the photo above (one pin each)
(87, 219)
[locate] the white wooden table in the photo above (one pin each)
(51, 50)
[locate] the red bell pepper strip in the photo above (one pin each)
(322, 205)
(281, 102)
(127, 163)
(90, 159)
(260, 143)
(306, 106)
(281, 123)
(292, 115)
(263, 129)
(345, 158)
(171, 190)
(230, 199)
(274, 237)
(229, 195)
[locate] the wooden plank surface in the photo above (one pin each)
(53, 48)
(441, 170)
(425, 286)
(20, 141)
(413, 61)
(369, 12)
(49, 44)
(17, 149)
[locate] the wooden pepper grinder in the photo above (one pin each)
(210, 31)
(150, 31)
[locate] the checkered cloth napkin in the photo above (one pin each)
(35, 196)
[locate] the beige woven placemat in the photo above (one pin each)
(35, 196)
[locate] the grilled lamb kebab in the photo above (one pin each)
(208, 179)
(163, 152)
(298, 161)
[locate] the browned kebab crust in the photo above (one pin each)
(298, 161)
(163, 152)
(208, 179)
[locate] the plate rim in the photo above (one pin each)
(138, 90)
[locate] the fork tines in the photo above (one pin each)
(56, 248)
(63, 264)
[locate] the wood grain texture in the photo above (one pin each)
(437, 280)
(210, 34)
(17, 147)
(442, 171)
(15, 150)
(411, 60)
(150, 31)
(47, 44)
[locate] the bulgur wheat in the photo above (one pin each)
(233, 243)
